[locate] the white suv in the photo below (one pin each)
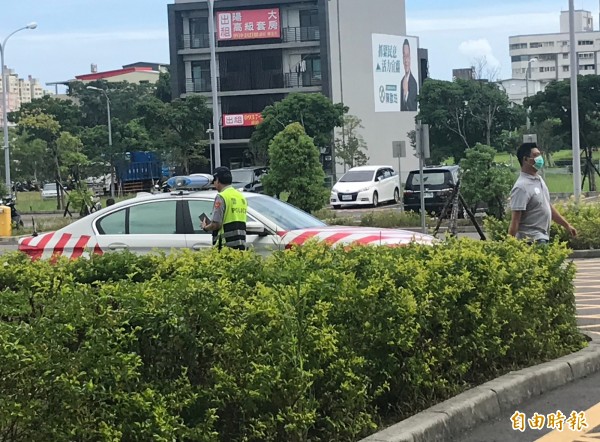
(366, 185)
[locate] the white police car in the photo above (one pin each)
(169, 221)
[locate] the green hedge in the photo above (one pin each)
(585, 217)
(311, 344)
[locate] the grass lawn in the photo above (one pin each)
(28, 202)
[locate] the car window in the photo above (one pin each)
(50, 186)
(387, 173)
(113, 224)
(282, 214)
(434, 180)
(357, 176)
(156, 218)
(198, 207)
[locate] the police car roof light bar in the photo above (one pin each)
(194, 181)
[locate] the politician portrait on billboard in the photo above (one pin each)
(395, 73)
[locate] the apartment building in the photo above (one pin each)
(20, 91)
(549, 53)
(267, 49)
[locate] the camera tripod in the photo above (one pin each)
(451, 208)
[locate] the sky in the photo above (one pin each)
(73, 34)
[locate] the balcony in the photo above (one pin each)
(303, 79)
(311, 33)
(194, 41)
(194, 85)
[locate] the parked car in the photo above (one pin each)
(248, 179)
(368, 185)
(167, 221)
(49, 191)
(438, 184)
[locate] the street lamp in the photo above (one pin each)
(527, 77)
(112, 185)
(213, 82)
(31, 25)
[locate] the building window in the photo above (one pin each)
(587, 55)
(548, 69)
(546, 57)
(201, 76)
(309, 25)
(535, 45)
(585, 42)
(565, 68)
(565, 56)
(199, 33)
(587, 67)
(516, 46)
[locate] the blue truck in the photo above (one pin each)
(139, 171)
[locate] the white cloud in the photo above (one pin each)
(476, 49)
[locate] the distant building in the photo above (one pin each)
(20, 91)
(549, 53)
(516, 88)
(464, 73)
(349, 50)
(138, 72)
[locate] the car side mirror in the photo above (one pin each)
(255, 228)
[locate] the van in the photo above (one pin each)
(438, 182)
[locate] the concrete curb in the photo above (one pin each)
(585, 254)
(453, 417)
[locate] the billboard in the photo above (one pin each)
(395, 73)
(240, 120)
(249, 24)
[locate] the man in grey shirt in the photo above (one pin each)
(530, 204)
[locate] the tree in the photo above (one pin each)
(555, 103)
(314, 112)
(65, 112)
(463, 113)
(349, 151)
(178, 128)
(163, 87)
(483, 181)
(295, 168)
(71, 159)
(28, 158)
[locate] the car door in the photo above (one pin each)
(388, 179)
(142, 228)
(198, 239)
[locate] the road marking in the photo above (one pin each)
(592, 419)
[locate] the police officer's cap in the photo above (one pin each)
(223, 174)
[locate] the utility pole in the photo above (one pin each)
(574, 104)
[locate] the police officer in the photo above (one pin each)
(229, 213)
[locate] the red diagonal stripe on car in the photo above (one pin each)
(80, 246)
(337, 237)
(60, 245)
(98, 250)
(370, 239)
(37, 251)
(301, 239)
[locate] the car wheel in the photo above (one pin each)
(375, 199)
(396, 196)
(336, 207)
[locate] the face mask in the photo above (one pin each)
(539, 163)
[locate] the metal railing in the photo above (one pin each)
(309, 33)
(195, 85)
(302, 79)
(194, 41)
(258, 80)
